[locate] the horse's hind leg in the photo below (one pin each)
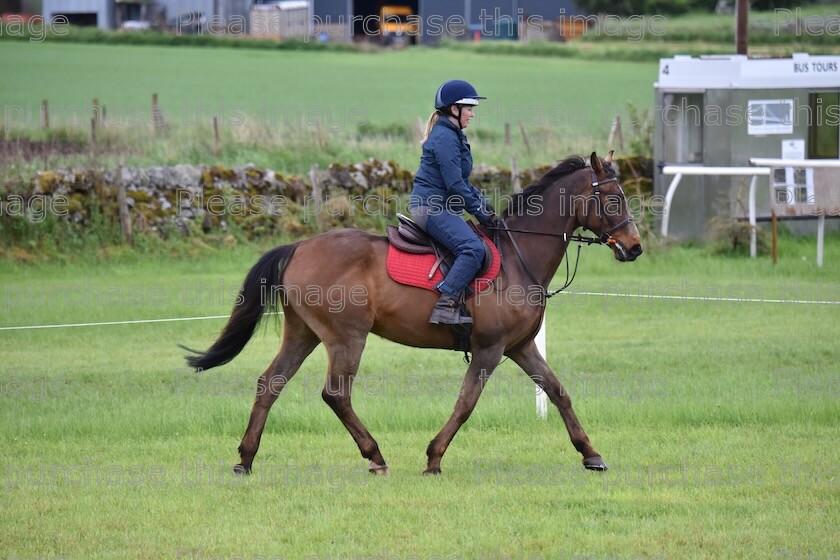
(344, 359)
(298, 342)
(530, 360)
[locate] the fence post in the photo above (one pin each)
(525, 137)
(96, 112)
(507, 134)
(157, 115)
(317, 196)
(216, 142)
(515, 183)
(45, 114)
(321, 141)
(615, 134)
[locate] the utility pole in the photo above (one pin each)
(743, 11)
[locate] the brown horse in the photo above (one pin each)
(352, 262)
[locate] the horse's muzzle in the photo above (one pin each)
(627, 255)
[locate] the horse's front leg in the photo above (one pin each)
(484, 361)
(530, 360)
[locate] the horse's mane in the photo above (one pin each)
(565, 167)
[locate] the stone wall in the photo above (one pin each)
(258, 202)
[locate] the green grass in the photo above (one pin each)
(393, 86)
(269, 104)
(718, 419)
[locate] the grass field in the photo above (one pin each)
(719, 420)
(269, 103)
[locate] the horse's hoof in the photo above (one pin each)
(432, 471)
(595, 463)
(241, 469)
(379, 470)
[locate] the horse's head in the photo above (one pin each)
(603, 210)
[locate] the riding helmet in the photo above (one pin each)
(456, 92)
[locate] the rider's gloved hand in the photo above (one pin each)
(493, 221)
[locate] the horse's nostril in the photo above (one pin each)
(636, 250)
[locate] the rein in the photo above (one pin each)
(605, 238)
(579, 238)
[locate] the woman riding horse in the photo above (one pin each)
(442, 191)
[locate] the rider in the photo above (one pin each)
(442, 191)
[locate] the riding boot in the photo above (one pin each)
(447, 311)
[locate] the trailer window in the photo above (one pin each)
(682, 127)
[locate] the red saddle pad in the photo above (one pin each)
(413, 270)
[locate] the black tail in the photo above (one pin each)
(258, 295)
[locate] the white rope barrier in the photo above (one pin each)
(541, 334)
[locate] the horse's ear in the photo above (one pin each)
(595, 163)
(608, 159)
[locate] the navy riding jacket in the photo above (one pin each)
(443, 180)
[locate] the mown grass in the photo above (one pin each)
(270, 104)
(718, 419)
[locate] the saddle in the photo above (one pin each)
(416, 259)
(409, 238)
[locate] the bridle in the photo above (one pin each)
(606, 237)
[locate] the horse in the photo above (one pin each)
(538, 226)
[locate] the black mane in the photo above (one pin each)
(565, 167)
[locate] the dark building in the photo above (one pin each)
(432, 20)
(453, 19)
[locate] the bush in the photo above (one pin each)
(729, 236)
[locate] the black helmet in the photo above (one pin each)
(456, 92)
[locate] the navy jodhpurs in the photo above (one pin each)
(453, 233)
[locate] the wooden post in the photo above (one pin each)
(157, 116)
(775, 228)
(525, 137)
(125, 217)
(45, 114)
(93, 133)
(515, 183)
(321, 139)
(741, 28)
(96, 111)
(615, 134)
(216, 141)
(507, 134)
(820, 239)
(317, 196)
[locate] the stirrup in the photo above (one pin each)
(449, 310)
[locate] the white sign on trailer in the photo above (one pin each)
(740, 72)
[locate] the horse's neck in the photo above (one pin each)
(544, 253)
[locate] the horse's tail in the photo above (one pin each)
(259, 294)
